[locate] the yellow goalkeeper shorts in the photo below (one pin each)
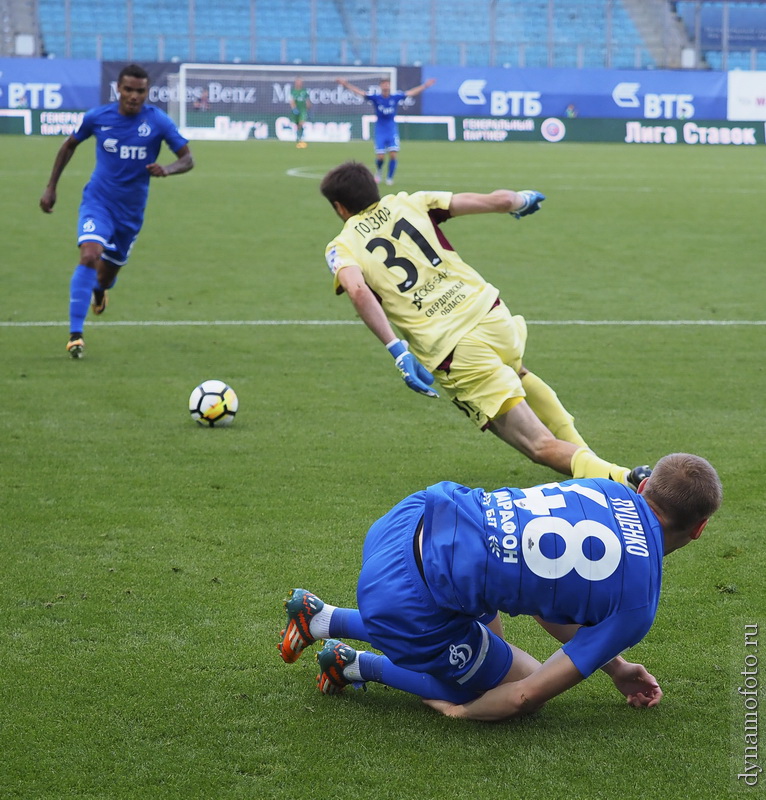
(481, 373)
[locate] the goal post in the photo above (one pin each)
(405, 122)
(241, 101)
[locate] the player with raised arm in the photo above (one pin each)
(299, 106)
(386, 129)
(129, 135)
(398, 269)
(584, 558)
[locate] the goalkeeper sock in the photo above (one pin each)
(372, 667)
(83, 282)
(549, 409)
(586, 464)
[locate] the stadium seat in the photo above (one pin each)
(350, 31)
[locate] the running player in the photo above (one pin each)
(582, 557)
(395, 264)
(386, 129)
(299, 105)
(128, 136)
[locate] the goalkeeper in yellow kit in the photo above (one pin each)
(398, 269)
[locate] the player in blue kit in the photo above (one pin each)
(128, 136)
(386, 129)
(583, 557)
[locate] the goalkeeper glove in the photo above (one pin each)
(532, 202)
(414, 374)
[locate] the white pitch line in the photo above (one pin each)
(336, 322)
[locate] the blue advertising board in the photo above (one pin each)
(49, 84)
(590, 93)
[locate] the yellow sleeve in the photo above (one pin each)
(338, 256)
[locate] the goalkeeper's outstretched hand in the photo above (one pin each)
(414, 374)
(532, 200)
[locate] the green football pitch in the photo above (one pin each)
(145, 559)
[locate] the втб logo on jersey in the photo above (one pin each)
(459, 655)
(131, 151)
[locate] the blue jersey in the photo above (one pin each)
(587, 552)
(125, 145)
(385, 109)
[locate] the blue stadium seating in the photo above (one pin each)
(746, 48)
(534, 33)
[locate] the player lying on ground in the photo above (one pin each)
(583, 557)
(398, 269)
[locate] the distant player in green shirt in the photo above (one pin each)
(300, 105)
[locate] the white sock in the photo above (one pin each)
(319, 627)
(352, 672)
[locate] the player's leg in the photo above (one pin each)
(113, 259)
(81, 285)
(393, 155)
(392, 164)
(310, 619)
(482, 380)
(544, 401)
(380, 153)
(299, 131)
(520, 427)
(455, 673)
(340, 665)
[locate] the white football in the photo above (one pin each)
(213, 404)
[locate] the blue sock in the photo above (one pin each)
(392, 162)
(379, 164)
(381, 670)
(83, 282)
(346, 623)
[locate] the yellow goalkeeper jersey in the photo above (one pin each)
(427, 291)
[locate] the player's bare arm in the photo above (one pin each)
(519, 697)
(418, 89)
(64, 155)
(350, 86)
(633, 680)
(640, 688)
(365, 303)
(501, 201)
(184, 163)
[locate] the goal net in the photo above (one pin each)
(244, 101)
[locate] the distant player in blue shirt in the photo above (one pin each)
(128, 137)
(386, 129)
(583, 557)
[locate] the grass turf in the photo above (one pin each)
(145, 559)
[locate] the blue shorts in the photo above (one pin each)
(386, 141)
(403, 620)
(97, 224)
